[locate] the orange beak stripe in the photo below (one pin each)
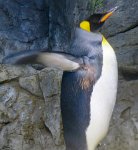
(106, 16)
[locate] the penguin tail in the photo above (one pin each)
(59, 60)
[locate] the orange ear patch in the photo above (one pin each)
(106, 16)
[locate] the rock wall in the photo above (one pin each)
(30, 99)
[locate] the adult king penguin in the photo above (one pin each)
(89, 83)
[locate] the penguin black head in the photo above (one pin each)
(96, 21)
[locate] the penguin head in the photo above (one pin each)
(96, 21)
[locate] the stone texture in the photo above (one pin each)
(122, 30)
(51, 93)
(24, 25)
(30, 116)
(64, 16)
(27, 121)
(8, 72)
(31, 84)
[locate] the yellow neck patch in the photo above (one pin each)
(85, 25)
(105, 42)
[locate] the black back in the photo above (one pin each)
(77, 88)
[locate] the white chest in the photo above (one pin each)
(103, 99)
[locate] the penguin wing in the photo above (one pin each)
(60, 60)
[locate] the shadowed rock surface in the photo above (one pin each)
(30, 99)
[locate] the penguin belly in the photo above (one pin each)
(103, 99)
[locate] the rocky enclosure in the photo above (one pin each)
(30, 98)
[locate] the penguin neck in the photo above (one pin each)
(86, 26)
(84, 43)
(92, 36)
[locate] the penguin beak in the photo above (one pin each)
(108, 14)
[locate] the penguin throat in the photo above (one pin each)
(85, 25)
(105, 42)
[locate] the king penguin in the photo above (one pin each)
(89, 82)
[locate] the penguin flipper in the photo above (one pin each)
(60, 60)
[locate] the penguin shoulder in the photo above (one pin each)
(105, 42)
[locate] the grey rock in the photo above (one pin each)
(8, 97)
(129, 72)
(23, 118)
(122, 31)
(40, 43)
(52, 118)
(125, 39)
(50, 81)
(31, 84)
(124, 19)
(127, 55)
(5, 21)
(9, 72)
(22, 23)
(64, 16)
(126, 46)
